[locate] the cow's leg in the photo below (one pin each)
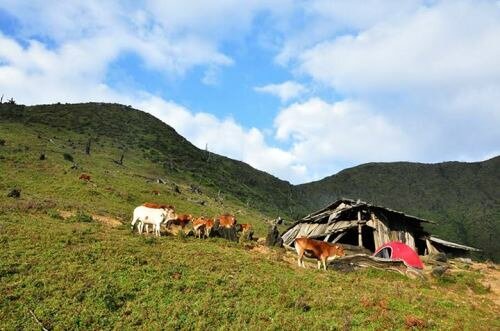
(324, 263)
(319, 264)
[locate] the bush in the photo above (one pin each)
(68, 157)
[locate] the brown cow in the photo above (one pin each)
(182, 220)
(227, 221)
(244, 227)
(156, 205)
(199, 226)
(84, 177)
(203, 226)
(317, 249)
(209, 224)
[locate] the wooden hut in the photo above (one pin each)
(363, 225)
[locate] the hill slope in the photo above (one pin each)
(464, 198)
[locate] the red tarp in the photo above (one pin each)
(399, 251)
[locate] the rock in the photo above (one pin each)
(440, 257)
(464, 260)
(14, 193)
(439, 271)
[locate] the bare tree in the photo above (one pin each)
(87, 147)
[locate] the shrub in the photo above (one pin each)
(68, 157)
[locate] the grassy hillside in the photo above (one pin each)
(464, 198)
(115, 128)
(81, 274)
(115, 189)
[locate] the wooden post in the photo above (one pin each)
(360, 237)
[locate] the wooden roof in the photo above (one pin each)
(453, 245)
(336, 207)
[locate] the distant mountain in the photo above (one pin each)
(464, 198)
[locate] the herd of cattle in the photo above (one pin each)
(157, 215)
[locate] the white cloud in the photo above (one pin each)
(226, 137)
(285, 91)
(434, 69)
(36, 74)
(446, 46)
(412, 80)
(326, 135)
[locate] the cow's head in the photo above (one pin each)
(340, 250)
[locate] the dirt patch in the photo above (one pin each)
(491, 279)
(66, 213)
(106, 220)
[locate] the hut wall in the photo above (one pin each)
(381, 233)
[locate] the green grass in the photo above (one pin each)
(464, 198)
(77, 273)
(84, 275)
(113, 190)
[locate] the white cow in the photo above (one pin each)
(154, 216)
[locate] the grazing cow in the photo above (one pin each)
(227, 221)
(182, 220)
(84, 177)
(155, 205)
(154, 216)
(245, 227)
(155, 192)
(320, 250)
(203, 227)
(199, 227)
(209, 224)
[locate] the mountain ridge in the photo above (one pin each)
(458, 195)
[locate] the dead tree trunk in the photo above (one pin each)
(87, 147)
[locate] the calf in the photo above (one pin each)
(227, 221)
(320, 250)
(199, 227)
(182, 220)
(245, 227)
(203, 226)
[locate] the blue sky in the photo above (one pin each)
(300, 89)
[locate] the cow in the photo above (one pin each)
(154, 216)
(245, 227)
(84, 177)
(227, 221)
(202, 226)
(182, 220)
(199, 227)
(156, 205)
(209, 224)
(320, 250)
